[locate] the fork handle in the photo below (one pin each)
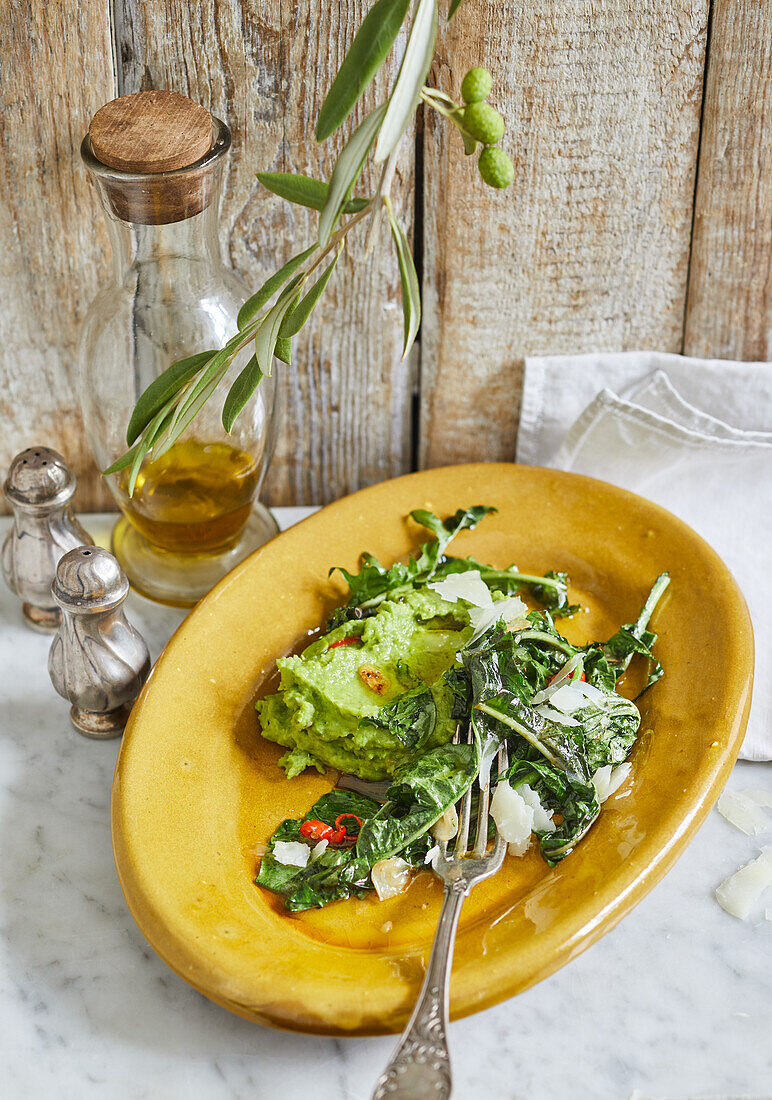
(420, 1066)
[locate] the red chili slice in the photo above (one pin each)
(341, 817)
(570, 679)
(317, 830)
(350, 639)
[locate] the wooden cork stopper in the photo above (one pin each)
(152, 133)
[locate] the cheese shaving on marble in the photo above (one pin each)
(744, 811)
(739, 893)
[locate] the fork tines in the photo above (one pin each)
(480, 848)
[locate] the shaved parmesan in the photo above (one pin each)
(542, 819)
(490, 749)
(319, 848)
(566, 699)
(517, 814)
(467, 586)
(738, 893)
(482, 618)
(560, 679)
(607, 780)
(291, 853)
(595, 695)
(431, 857)
(446, 827)
(553, 715)
(390, 877)
(743, 811)
(513, 817)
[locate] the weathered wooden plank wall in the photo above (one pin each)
(56, 70)
(589, 249)
(265, 68)
(598, 245)
(729, 311)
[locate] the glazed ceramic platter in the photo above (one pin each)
(197, 791)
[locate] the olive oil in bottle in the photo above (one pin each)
(195, 498)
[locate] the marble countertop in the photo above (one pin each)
(673, 1004)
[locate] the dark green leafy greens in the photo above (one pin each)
(502, 684)
(421, 793)
(557, 755)
(411, 718)
(373, 584)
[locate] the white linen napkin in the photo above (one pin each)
(693, 435)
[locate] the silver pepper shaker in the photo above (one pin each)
(98, 660)
(39, 488)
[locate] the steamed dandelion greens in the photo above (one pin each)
(423, 648)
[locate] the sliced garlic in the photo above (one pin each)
(390, 877)
(446, 827)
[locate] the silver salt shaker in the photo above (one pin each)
(39, 488)
(98, 660)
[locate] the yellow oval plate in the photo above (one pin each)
(197, 790)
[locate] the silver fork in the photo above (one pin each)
(420, 1066)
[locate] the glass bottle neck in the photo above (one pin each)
(192, 240)
(169, 219)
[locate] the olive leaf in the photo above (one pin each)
(294, 320)
(367, 52)
(182, 417)
(122, 462)
(152, 431)
(253, 305)
(305, 191)
(240, 392)
(348, 168)
(215, 369)
(161, 390)
(411, 291)
(412, 74)
(283, 349)
(268, 333)
(454, 6)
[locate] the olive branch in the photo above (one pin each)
(272, 317)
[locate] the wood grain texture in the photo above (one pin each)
(264, 67)
(56, 71)
(729, 310)
(151, 131)
(589, 248)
